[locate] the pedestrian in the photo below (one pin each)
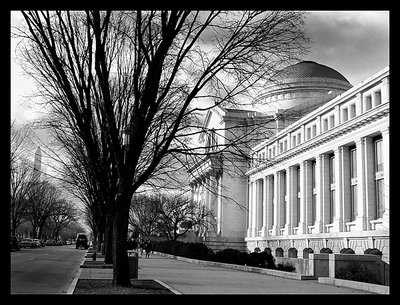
(148, 248)
(140, 247)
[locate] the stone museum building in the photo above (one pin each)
(318, 179)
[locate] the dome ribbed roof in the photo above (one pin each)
(310, 69)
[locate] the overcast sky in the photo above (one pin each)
(355, 43)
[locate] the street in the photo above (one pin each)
(47, 270)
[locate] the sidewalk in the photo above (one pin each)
(189, 278)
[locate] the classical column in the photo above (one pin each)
(308, 193)
(303, 176)
(264, 228)
(324, 189)
(254, 209)
(361, 219)
(345, 181)
(212, 201)
(270, 202)
(290, 199)
(250, 209)
(369, 180)
(220, 211)
(338, 220)
(386, 169)
(275, 227)
(259, 203)
(282, 199)
(295, 209)
(319, 223)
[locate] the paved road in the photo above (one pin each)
(189, 278)
(47, 270)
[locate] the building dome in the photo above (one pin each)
(310, 69)
(302, 87)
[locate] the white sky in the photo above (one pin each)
(355, 43)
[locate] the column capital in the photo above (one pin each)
(337, 149)
(385, 131)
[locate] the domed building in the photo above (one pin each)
(319, 171)
(299, 89)
(305, 85)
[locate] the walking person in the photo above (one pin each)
(140, 247)
(148, 248)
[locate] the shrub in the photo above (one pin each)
(178, 248)
(262, 260)
(285, 267)
(230, 256)
(357, 272)
(196, 251)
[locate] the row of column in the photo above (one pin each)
(206, 193)
(301, 199)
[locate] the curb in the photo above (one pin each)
(374, 288)
(75, 280)
(167, 286)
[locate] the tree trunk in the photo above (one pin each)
(120, 256)
(99, 240)
(108, 240)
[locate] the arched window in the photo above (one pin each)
(307, 251)
(347, 251)
(279, 252)
(325, 250)
(292, 253)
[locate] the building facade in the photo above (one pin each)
(323, 181)
(319, 172)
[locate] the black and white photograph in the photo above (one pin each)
(184, 152)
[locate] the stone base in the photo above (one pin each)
(220, 243)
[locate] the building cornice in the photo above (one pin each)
(337, 131)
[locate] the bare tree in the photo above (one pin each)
(178, 214)
(144, 74)
(62, 216)
(144, 214)
(21, 173)
(42, 199)
(20, 184)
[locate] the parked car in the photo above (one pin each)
(81, 241)
(50, 242)
(14, 243)
(37, 242)
(27, 243)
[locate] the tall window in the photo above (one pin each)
(352, 111)
(331, 187)
(379, 181)
(353, 183)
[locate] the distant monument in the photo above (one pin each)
(37, 164)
